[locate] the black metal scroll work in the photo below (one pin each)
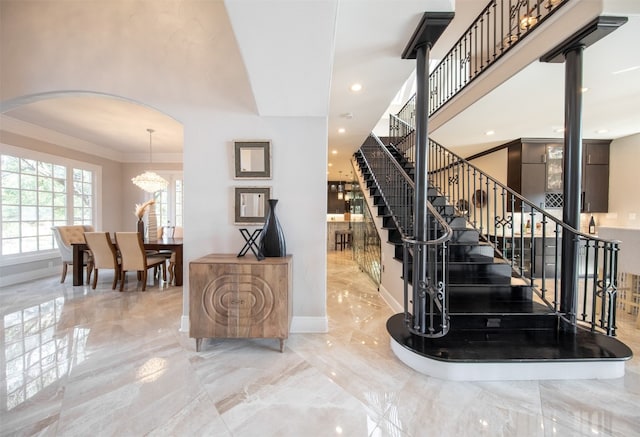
(499, 27)
(251, 243)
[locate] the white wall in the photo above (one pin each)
(298, 183)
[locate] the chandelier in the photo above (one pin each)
(150, 181)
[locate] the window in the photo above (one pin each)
(82, 197)
(169, 202)
(40, 191)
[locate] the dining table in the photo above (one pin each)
(173, 244)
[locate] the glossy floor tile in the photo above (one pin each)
(77, 362)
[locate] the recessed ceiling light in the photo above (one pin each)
(602, 131)
(490, 132)
(330, 164)
(584, 89)
(341, 130)
(558, 129)
(347, 115)
(626, 70)
(356, 87)
(335, 152)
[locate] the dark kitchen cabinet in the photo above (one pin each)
(533, 153)
(595, 188)
(595, 177)
(532, 186)
(596, 153)
(526, 171)
(535, 168)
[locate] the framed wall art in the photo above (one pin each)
(252, 159)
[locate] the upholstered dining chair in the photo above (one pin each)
(67, 235)
(105, 255)
(134, 258)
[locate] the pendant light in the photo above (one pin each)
(150, 181)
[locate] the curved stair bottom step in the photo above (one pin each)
(506, 356)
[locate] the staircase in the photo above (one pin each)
(484, 296)
(499, 328)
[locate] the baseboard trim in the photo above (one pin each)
(6, 280)
(184, 324)
(315, 325)
(396, 306)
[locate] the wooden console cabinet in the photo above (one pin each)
(240, 297)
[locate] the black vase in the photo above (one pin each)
(272, 243)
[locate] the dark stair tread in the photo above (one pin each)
(473, 346)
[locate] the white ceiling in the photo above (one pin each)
(302, 57)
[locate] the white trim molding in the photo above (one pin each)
(313, 325)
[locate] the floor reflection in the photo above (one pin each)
(77, 361)
(35, 354)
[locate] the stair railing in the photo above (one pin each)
(530, 239)
(426, 306)
(403, 136)
(501, 25)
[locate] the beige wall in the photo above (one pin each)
(494, 164)
(624, 192)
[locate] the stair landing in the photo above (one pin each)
(525, 354)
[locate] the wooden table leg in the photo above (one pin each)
(198, 344)
(282, 340)
(78, 265)
(178, 266)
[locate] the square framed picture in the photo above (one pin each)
(252, 159)
(251, 204)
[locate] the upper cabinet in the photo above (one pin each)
(535, 170)
(596, 153)
(595, 177)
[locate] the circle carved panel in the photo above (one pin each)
(242, 300)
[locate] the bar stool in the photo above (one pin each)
(342, 239)
(339, 240)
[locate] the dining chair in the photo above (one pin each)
(134, 258)
(172, 267)
(170, 255)
(105, 255)
(67, 235)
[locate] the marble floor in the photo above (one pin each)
(80, 362)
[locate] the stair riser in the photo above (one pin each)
(457, 222)
(490, 292)
(446, 210)
(471, 252)
(465, 236)
(490, 323)
(486, 274)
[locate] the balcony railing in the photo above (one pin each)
(498, 28)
